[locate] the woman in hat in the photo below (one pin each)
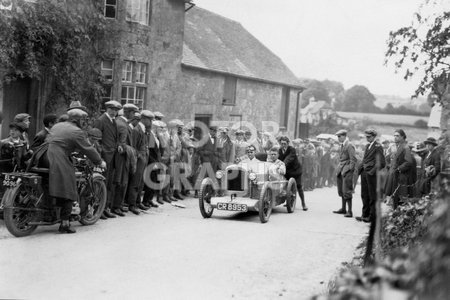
(431, 166)
(400, 174)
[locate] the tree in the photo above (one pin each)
(359, 99)
(316, 89)
(424, 46)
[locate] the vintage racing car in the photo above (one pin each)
(240, 189)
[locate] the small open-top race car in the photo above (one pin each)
(240, 189)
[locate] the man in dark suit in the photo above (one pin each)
(152, 187)
(140, 140)
(123, 160)
(344, 173)
(431, 166)
(372, 162)
(39, 138)
(288, 155)
(110, 142)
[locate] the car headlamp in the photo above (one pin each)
(219, 174)
(252, 176)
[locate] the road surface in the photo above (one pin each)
(173, 253)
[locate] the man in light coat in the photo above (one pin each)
(344, 173)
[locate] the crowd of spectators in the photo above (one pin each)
(151, 161)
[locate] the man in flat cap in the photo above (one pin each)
(158, 116)
(125, 158)
(345, 170)
(226, 147)
(67, 137)
(373, 161)
(142, 140)
(240, 145)
(110, 141)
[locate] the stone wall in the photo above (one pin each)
(201, 92)
(160, 45)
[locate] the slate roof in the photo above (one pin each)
(215, 43)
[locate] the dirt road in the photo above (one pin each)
(173, 253)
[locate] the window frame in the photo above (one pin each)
(139, 102)
(110, 5)
(126, 72)
(103, 69)
(139, 66)
(133, 10)
(229, 90)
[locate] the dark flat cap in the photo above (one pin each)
(341, 132)
(113, 104)
(21, 117)
(430, 140)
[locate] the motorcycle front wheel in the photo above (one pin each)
(93, 200)
(16, 219)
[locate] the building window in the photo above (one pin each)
(110, 9)
(141, 73)
(284, 111)
(133, 95)
(107, 93)
(229, 91)
(107, 69)
(138, 11)
(127, 71)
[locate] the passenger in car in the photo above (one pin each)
(277, 168)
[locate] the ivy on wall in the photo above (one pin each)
(57, 41)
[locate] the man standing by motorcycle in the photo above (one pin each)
(65, 138)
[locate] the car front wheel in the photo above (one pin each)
(265, 204)
(204, 198)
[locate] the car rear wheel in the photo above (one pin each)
(204, 198)
(265, 204)
(291, 197)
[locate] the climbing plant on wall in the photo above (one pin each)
(56, 41)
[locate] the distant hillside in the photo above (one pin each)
(419, 104)
(383, 118)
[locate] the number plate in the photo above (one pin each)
(9, 181)
(232, 206)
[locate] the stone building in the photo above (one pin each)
(189, 64)
(228, 75)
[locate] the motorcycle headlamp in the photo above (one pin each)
(219, 174)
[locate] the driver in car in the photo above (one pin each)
(249, 161)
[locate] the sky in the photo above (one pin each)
(341, 40)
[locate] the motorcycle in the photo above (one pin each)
(27, 205)
(12, 159)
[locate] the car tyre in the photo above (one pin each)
(265, 204)
(204, 198)
(291, 195)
